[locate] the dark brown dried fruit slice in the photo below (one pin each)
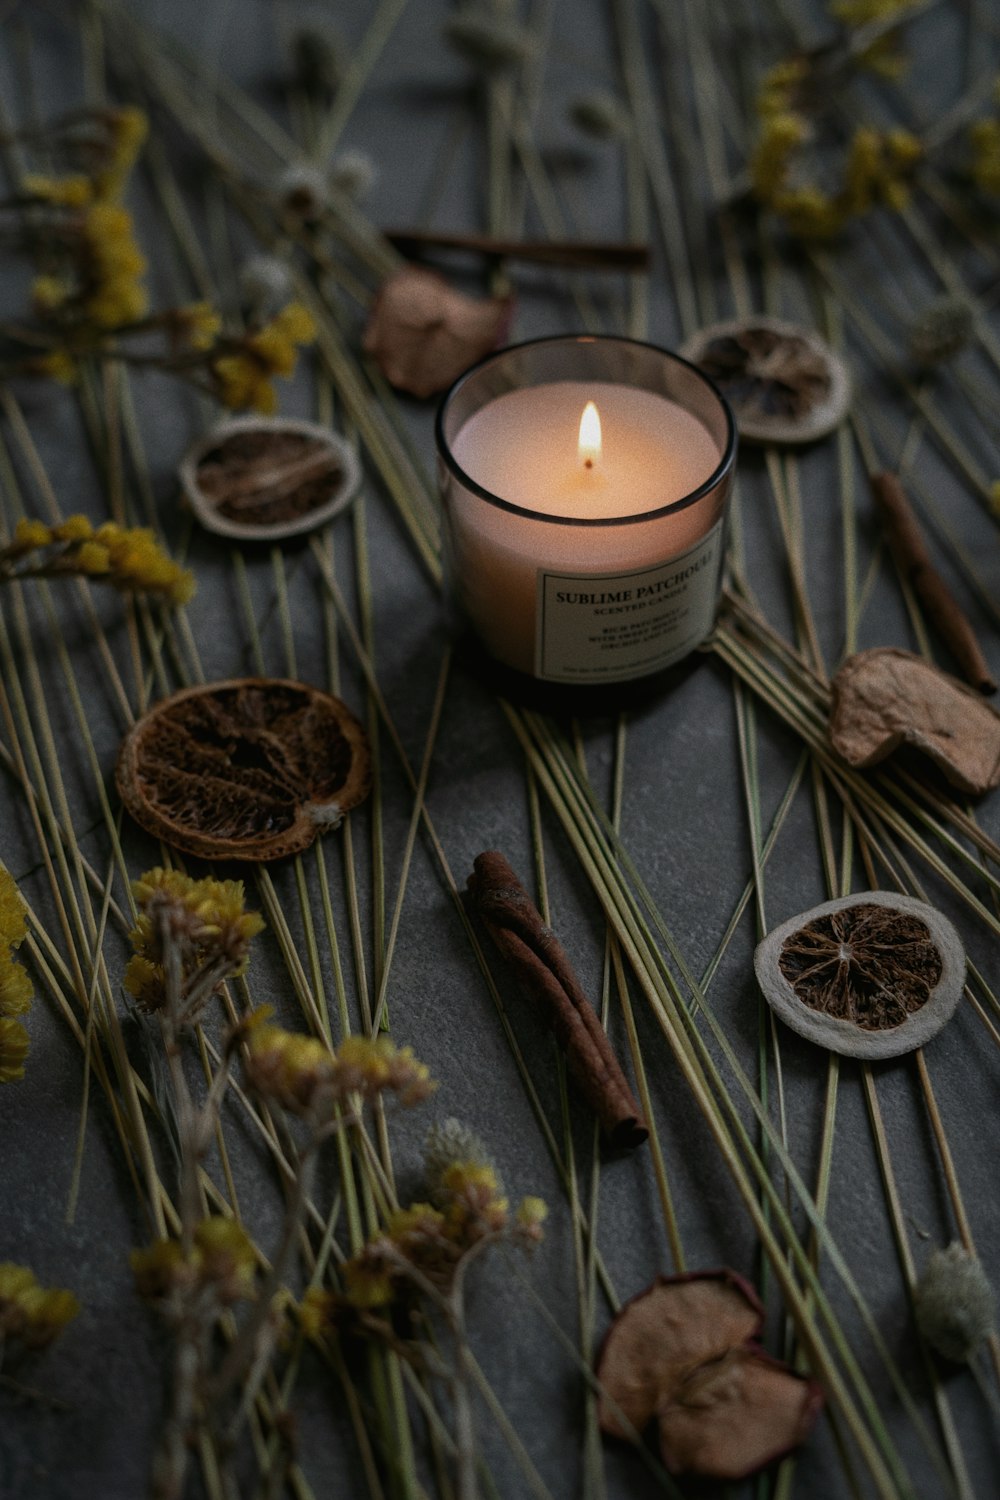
(249, 769)
(683, 1351)
(865, 963)
(871, 975)
(261, 479)
(784, 383)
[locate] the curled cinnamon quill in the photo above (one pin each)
(546, 975)
(914, 563)
(422, 333)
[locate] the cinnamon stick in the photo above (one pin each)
(914, 562)
(546, 976)
(597, 255)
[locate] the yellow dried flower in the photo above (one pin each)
(222, 1257)
(114, 267)
(475, 1207)
(138, 562)
(14, 1046)
(58, 365)
(809, 212)
(225, 1257)
(31, 534)
(243, 379)
(204, 920)
(73, 529)
(49, 293)
(782, 134)
(367, 1284)
(196, 325)
(128, 128)
(145, 982)
(531, 1215)
(13, 923)
(16, 989)
(64, 192)
(30, 1312)
(93, 559)
(314, 1312)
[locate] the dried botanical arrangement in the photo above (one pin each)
(334, 1307)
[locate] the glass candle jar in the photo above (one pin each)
(585, 482)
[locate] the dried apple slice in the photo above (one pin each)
(683, 1351)
(252, 768)
(736, 1415)
(659, 1336)
(884, 698)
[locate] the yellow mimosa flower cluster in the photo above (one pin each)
(29, 1313)
(16, 990)
(130, 558)
(222, 1258)
(243, 378)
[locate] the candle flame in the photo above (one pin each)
(590, 436)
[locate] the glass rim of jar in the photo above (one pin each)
(726, 462)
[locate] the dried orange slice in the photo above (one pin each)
(253, 768)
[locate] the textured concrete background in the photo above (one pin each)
(684, 820)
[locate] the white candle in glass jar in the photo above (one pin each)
(561, 550)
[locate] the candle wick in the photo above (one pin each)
(588, 463)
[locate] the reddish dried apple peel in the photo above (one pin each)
(683, 1351)
(252, 768)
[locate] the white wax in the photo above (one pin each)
(522, 447)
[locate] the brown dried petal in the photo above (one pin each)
(422, 333)
(250, 769)
(733, 1416)
(662, 1335)
(885, 698)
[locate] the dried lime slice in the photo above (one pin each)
(784, 383)
(266, 478)
(871, 975)
(249, 769)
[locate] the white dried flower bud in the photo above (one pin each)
(265, 282)
(941, 330)
(487, 40)
(447, 1142)
(600, 114)
(302, 190)
(955, 1304)
(354, 173)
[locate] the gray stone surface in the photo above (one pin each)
(683, 818)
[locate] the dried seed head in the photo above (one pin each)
(600, 114)
(955, 1303)
(940, 331)
(302, 191)
(488, 41)
(447, 1142)
(353, 173)
(265, 283)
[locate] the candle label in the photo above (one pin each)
(609, 627)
